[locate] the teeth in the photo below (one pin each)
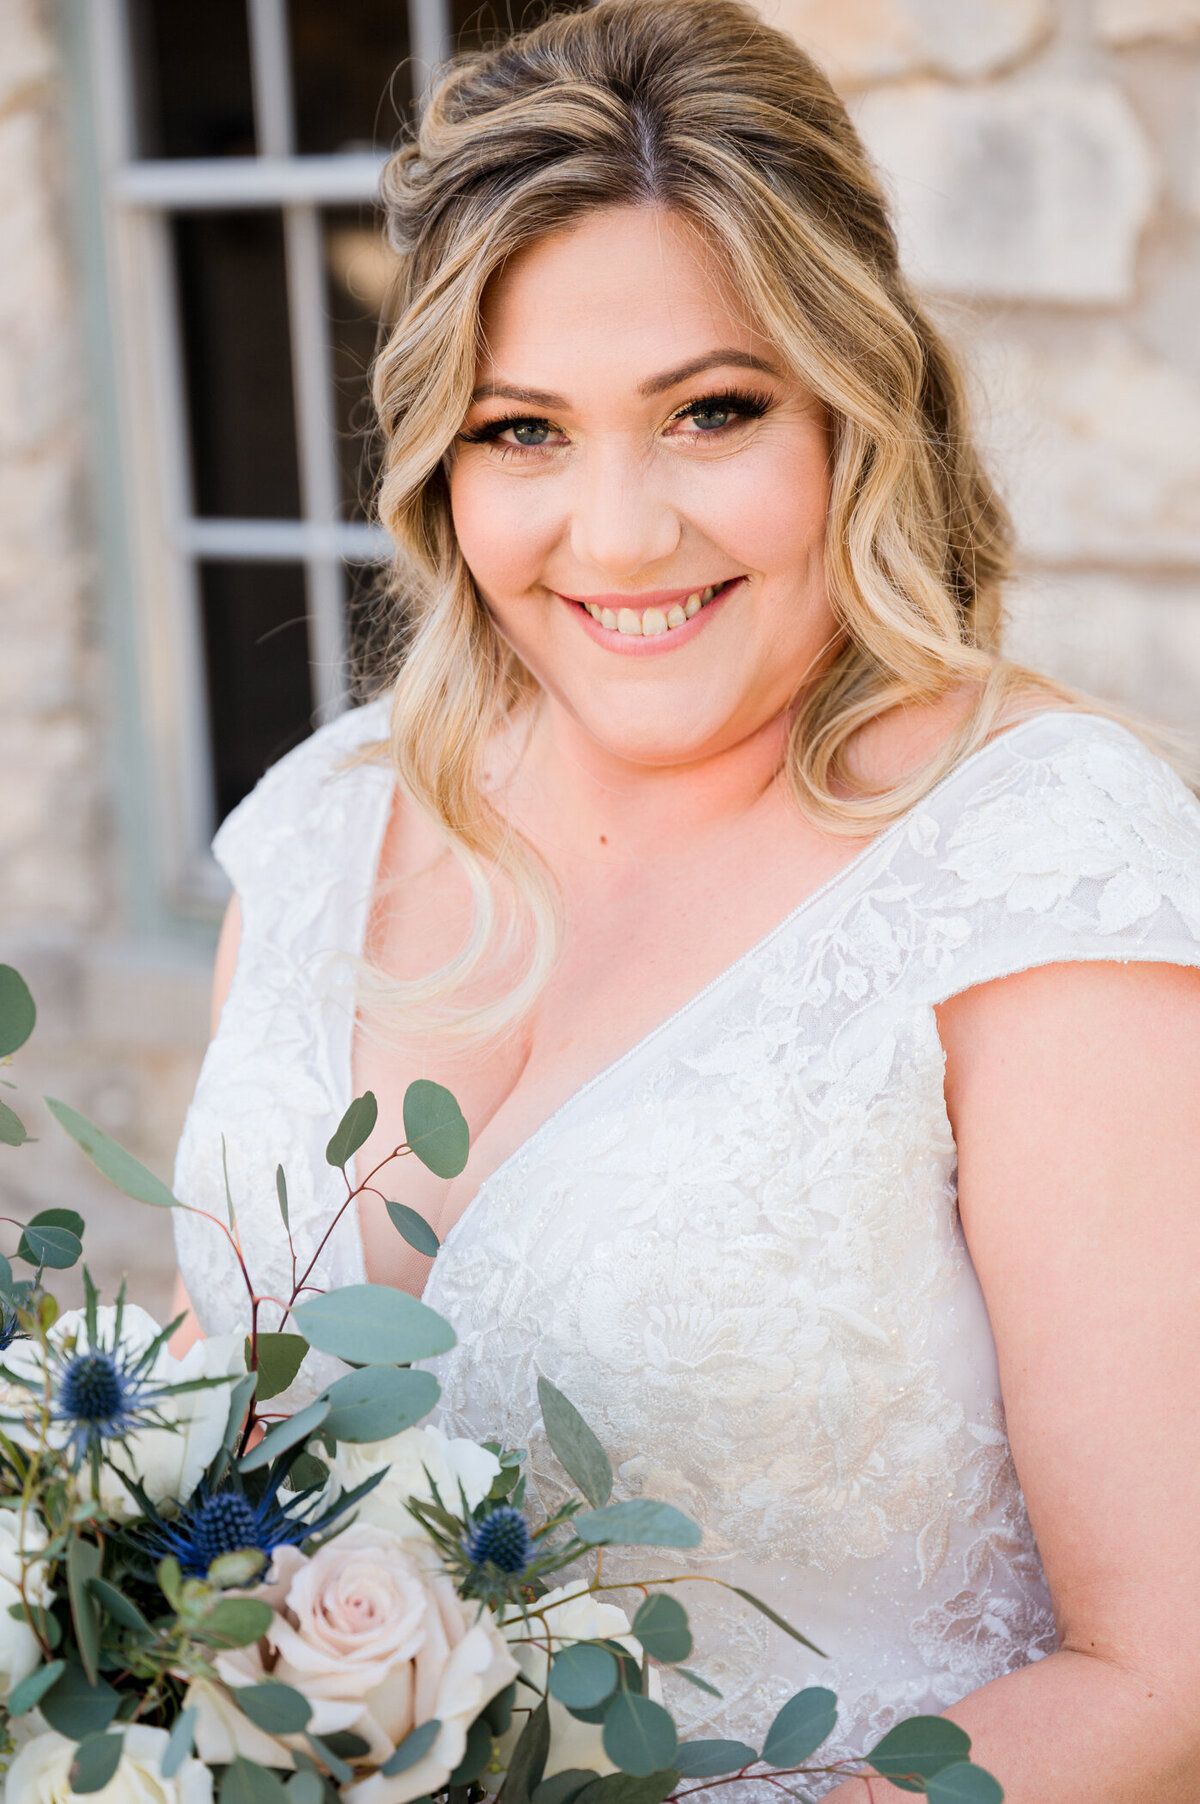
(708, 594)
(676, 617)
(608, 619)
(629, 622)
(654, 622)
(691, 607)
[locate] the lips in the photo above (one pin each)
(651, 622)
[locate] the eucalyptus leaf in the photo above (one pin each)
(920, 1747)
(639, 1735)
(414, 1228)
(96, 1760)
(623, 1788)
(435, 1129)
(774, 1616)
(279, 1709)
(6, 1277)
(476, 1754)
(285, 1434)
(239, 1568)
(12, 1128)
(347, 1744)
(18, 1014)
(281, 1193)
(372, 1324)
(59, 1218)
(527, 1762)
(694, 1678)
(56, 1248)
(280, 1357)
(305, 1788)
(338, 1768)
(75, 1708)
(414, 1747)
(353, 1130)
(240, 1397)
(560, 1788)
(661, 1625)
(84, 1560)
(31, 1690)
(245, 1782)
(964, 1783)
(120, 1167)
(378, 1402)
(235, 1622)
(179, 1742)
(575, 1447)
(118, 1606)
(637, 1523)
(583, 1675)
(499, 1709)
(803, 1723)
(712, 1759)
(307, 1472)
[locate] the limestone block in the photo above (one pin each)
(1135, 643)
(1097, 448)
(36, 327)
(26, 51)
(1135, 21)
(859, 41)
(1031, 191)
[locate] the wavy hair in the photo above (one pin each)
(699, 107)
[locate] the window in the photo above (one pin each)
(241, 144)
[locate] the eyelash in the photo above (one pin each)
(745, 403)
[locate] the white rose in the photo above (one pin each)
(571, 1613)
(40, 1774)
(20, 1651)
(371, 1630)
(409, 1457)
(168, 1462)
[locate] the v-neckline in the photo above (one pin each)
(895, 830)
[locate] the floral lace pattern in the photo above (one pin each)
(737, 1249)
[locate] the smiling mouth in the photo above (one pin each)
(651, 623)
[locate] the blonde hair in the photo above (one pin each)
(698, 107)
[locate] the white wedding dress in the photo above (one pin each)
(737, 1248)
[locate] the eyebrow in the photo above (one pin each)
(654, 385)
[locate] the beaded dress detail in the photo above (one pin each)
(737, 1248)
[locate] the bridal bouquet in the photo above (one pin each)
(205, 1593)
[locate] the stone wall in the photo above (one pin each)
(1045, 157)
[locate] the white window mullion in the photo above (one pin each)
(429, 34)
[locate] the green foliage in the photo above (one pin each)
(637, 1523)
(282, 1195)
(476, 1754)
(18, 1015)
(118, 1606)
(661, 1625)
(280, 1357)
(414, 1747)
(712, 1759)
(120, 1167)
(353, 1130)
(305, 1788)
(564, 1786)
(624, 1788)
(414, 1228)
(774, 1616)
(31, 1690)
(378, 1402)
(96, 1760)
(804, 1722)
(75, 1708)
(84, 1560)
(435, 1129)
(575, 1447)
(45, 1243)
(693, 1678)
(919, 1748)
(372, 1324)
(639, 1735)
(245, 1782)
(528, 1761)
(285, 1434)
(239, 1568)
(234, 1622)
(179, 1742)
(279, 1709)
(583, 1675)
(12, 1128)
(964, 1783)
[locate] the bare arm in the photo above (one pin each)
(189, 1331)
(1073, 1096)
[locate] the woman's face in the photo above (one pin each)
(640, 491)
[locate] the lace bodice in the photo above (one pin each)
(737, 1248)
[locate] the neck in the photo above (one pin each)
(587, 794)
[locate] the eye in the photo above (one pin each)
(530, 432)
(713, 415)
(710, 416)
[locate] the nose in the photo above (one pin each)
(621, 521)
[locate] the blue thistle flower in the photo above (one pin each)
(10, 1327)
(225, 1519)
(103, 1394)
(502, 1539)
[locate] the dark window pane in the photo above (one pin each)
(192, 78)
(259, 685)
(350, 73)
(359, 268)
(233, 300)
(479, 22)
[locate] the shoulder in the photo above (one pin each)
(326, 774)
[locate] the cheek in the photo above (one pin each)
(767, 509)
(502, 527)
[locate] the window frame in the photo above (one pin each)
(153, 551)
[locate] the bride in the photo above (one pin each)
(821, 990)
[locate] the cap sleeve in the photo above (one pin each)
(1085, 846)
